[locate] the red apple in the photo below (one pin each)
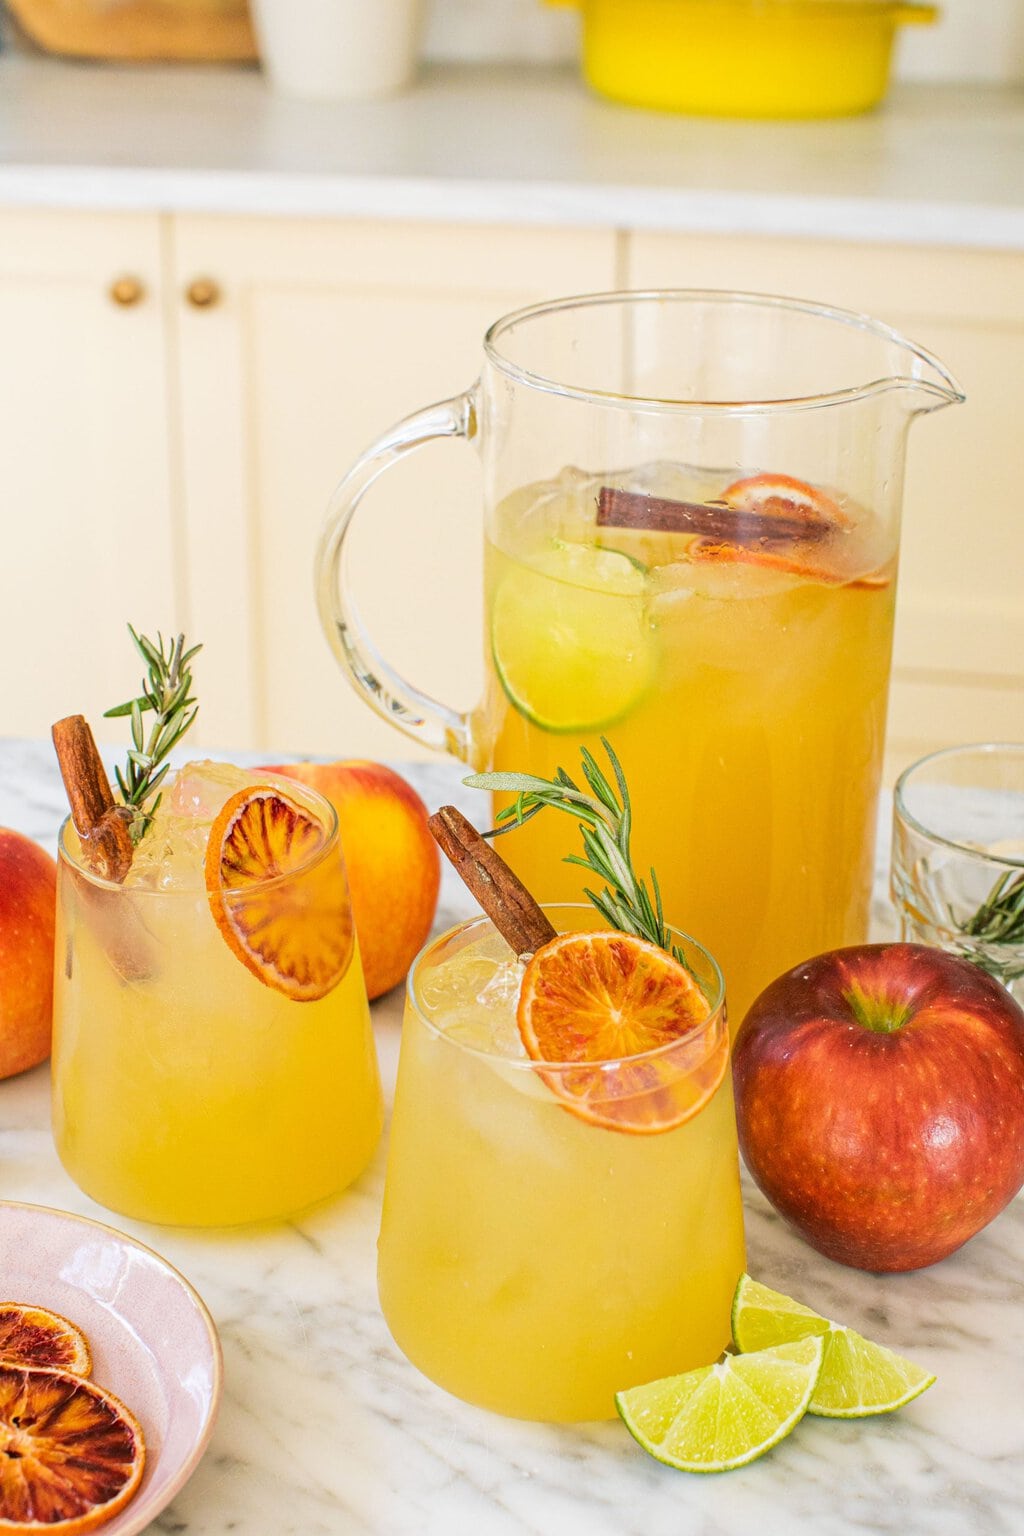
(394, 868)
(880, 1102)
(28, 901)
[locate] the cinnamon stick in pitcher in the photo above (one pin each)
(518, 918)
(715, 519)
(99, 822)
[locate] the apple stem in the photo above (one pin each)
(882, 1015)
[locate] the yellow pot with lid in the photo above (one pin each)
(744, 58)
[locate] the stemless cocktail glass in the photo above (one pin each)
(958, 856)
(185, 1088)
(732, 640)
(532, 1259)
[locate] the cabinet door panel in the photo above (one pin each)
(327, 333)
(89, 542)
(959, 653)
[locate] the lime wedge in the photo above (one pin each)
(761, 1317)
(722, 1416)
(857, 1378)
(571, 641)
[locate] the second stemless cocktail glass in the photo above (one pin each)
(692, 512)
(191, 1085)
(958, 856)
(535, 1259)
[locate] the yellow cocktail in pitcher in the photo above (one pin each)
(691, 506)
(743, 685)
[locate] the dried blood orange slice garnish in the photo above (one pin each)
(71, 1455)
(714, 552)
(788, 499)
(769, 558)
(612, 1007)
(806, 520)
(35, 1336)
(278, 894)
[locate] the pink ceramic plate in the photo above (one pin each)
(153, 1341)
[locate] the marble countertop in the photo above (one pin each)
(325, 1430)
(937, 164)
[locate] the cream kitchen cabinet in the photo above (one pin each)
(181, 392)
(959, 653)
(179, 397)
(323, 334)
(90, 541)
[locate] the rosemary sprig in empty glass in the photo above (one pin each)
(999, 921)
(167, 696)
(605, 822)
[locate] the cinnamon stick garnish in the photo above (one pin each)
(99, 822)
(503, 896)
(732, 525)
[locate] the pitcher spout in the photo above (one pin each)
(923, 383)
(929, 385)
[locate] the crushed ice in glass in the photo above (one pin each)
(472, 995)
(173, 852)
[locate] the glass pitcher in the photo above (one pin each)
(691, 506)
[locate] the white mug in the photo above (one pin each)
(338, 50)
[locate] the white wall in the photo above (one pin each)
(973, 40)
(500, 29)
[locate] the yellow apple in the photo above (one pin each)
(394, 868)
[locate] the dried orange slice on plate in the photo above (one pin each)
(278, 895)
(612, 1007)
(35, 1336)
(71, 1454)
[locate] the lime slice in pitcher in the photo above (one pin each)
(571, 641)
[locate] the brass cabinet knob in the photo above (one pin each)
(203, 293)
(126, 291)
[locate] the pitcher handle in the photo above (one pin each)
(425, 719)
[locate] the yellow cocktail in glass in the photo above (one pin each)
(743, 689)
(186, 1088)
(531, 1260)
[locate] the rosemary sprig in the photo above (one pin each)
(1000, 920)
(166, 693)
(605, 822)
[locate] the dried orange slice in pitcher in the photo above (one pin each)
(612, 1007)
(278, 894)
(785, 498)
(793, 524)
(35, 1336)
(71, 1455)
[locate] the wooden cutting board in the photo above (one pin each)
(139, 29)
